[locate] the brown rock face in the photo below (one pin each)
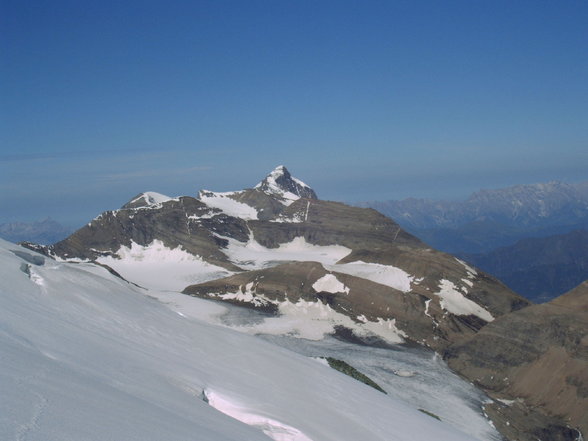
(178, 222)
(294, 281)
(538, 357)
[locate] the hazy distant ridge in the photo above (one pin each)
(492, 218)
(44, 232)
(539, 268)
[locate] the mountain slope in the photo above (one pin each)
(536, 361)
(173, 243)
(86, 355)
(539, 268)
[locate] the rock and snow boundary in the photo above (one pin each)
(86, 355)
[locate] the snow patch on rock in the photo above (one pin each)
(252, 255)
(228, 205)
(329, 283)
(151, 198)
(456, 303)
(383, 274)
(246, 294)
(315, 320)
(471, 271)
(156, 266)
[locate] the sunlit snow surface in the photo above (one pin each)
(315, 320)
(416, 375)
(163, 269)
(383, 274)
(329, 283)
(252, 255)
(85, 355)
(157, 267)
(227, 205)
(152, 198)
(454, 301)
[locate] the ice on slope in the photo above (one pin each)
(312, 320)
(93, 358)
(228, 205)
(415, 375)
(156, 266)
(452, 300)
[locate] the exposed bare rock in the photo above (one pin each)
(537, 357)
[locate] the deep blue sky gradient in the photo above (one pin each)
(362, 100)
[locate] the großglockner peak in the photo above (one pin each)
(282, 184)
(322, 267)
(270, 199)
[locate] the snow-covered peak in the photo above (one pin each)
(147, 199)
(281, 183)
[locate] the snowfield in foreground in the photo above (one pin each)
(88, 356)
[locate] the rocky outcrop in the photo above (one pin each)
(535, 363)
(416, 313)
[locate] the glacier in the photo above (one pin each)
(87, 355)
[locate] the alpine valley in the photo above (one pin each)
(309, 279)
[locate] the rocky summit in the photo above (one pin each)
(329, 267)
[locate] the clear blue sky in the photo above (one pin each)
(100, 100)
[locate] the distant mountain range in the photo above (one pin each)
(44, 232)
(539, 268)
(531, 237)
(490, 219)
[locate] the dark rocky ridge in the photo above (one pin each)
(537, 357)
(170, 222)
